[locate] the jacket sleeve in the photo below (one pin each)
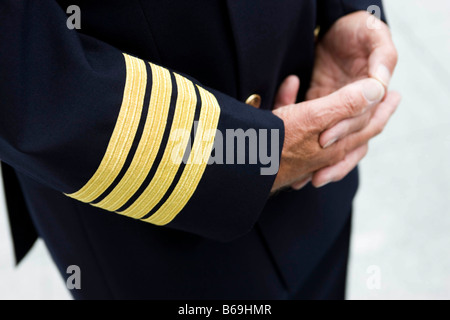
(331, 10)
(126, 135)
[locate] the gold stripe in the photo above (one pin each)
(167, 169)
(149, 144)
(198, 159)
(123, 135)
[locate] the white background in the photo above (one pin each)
(402, 217)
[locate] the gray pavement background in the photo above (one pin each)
(401, 227)
(402, 215)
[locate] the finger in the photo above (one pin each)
(357, 140)
(383, 54)
(348, 102)
(345, 128)
(301, 184)
(287, 93)
(340, 170)
(377, 123)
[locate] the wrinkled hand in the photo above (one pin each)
(349, 51)
(352, 51)
(302, 155)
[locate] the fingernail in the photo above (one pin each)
(324, 184)
(301, 185)
(329, 143)
(373, 90)
(383, 75)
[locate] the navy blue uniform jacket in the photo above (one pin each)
(90, 120)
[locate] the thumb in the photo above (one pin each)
(287, 93)
(351, 101)
(384, 56)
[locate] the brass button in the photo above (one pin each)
(254, 100)
(316, 32)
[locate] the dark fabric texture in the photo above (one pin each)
(62, 94)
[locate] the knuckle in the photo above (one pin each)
(340, 155)
(311, 118)
(350, 102)
(378, 130)
(366, 120)
(391, 54)
(314, 118)
(394, 55)
(365, 152)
